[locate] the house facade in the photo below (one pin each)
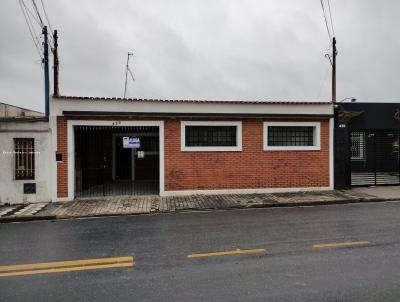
(367, 137)
(111, 146)
(25, 158)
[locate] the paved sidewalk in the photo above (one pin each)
(129, 205)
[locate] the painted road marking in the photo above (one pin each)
(339, 244)
(65, 266)
(235, 252)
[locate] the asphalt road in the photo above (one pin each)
(292, 268)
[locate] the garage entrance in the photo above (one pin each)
(374, 157)
(111, 161)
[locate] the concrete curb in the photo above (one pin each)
(251, 206)
(26, 218)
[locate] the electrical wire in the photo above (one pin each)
(47, 17)
(326, 21)
(330, 16)
(30, 27)
(42, 24)
(50, 37)
(38, 42)
(38, 14)
(30, 12)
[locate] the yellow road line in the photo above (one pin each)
(66, 269)
(235, 252)
(339, 244)
(6, 268)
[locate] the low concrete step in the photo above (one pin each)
(4, 211)
(30, 209)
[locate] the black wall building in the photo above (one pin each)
(367, 144)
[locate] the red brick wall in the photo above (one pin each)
(62, 167)
(251, 168)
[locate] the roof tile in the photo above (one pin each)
(90, 98)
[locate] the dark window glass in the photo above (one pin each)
(290, 136)
(210, 136)
(24, 150)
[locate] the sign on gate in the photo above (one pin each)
(130, 142)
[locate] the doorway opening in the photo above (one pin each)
(116, 160)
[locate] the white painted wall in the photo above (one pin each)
(11, 190)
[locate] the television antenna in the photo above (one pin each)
(128, 70)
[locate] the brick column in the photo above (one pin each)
(62, 147)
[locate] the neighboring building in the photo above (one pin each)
(12, 112)
(110, 146)
(367, 149)
(25, 156)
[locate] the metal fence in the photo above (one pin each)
(374, 157)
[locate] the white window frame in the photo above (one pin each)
(317, 136)
(238, 146)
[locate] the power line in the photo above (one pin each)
(50, 37)
(30, 12)
(38, 14)
(326, 21)
(330, 16)
(47, 18)
(41, 23)
(30, 27)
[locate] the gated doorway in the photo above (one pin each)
(107, 163)
(374, 157)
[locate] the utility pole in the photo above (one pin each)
(56, 91)
(46, 72)
(335, 106)
(127, 69)
(334, 53)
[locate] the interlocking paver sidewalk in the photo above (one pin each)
(128, 205)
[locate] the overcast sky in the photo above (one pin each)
(206, 49)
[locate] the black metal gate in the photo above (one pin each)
(104, 167)
(374, 157)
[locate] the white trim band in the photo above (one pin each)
(243, 191)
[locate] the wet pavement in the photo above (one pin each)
(325, 253)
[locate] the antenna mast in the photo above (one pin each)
(128, 70)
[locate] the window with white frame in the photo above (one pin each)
(211, 136)
(292, 136)
(24, 158)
